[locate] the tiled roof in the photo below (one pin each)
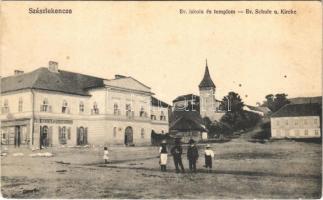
(262, 109)
(43, 79)
(301, 100)
(187, 97)
(295, 110)
(187, 124)
(159, 103)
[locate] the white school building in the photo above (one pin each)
(52, 107)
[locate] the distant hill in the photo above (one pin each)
(302, 100)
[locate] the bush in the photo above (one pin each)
(265, 132)
(241, 120)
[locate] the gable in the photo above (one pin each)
(128, 83)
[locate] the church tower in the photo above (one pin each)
(207, 95)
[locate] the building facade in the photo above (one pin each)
(52, 107)
(297, 121)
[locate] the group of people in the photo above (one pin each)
(192, 156)
(177, 151)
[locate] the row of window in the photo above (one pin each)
(64, 134)
(296, 122)
(142, 132)
(5, 107)
(46, 107)
(95, 110)
(296, 132)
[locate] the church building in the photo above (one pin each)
(209, 105)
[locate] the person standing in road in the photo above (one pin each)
(163, 156)
(192, 155)
(106, 155)
(209, 155)
(177, 155)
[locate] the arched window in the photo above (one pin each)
(142, 133)
(95, 109)
(152, 115)
(114, 132)
(116, 110)
(45, 106)
(142, 112)
(128, 110)
(62, 135)
(20, 103)
(65, 107)
(5, 108)
(81, 107)
(162, 116)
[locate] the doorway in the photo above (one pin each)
(81, 136)
(44, 141)
(17, 141)
(128, 136)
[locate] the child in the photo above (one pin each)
(105, 155)
(209, 154)
(163, 156)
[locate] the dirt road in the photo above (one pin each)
(280, 169)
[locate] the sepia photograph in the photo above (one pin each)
(161, 100)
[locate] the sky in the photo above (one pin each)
(253, 55)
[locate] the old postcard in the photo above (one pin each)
(161, 100)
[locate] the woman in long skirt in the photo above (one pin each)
(163, 156)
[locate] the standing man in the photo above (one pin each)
(177, 155)
(192, 155)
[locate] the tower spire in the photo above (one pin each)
(206, 62)
(206, 81)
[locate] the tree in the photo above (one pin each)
(232, 102)
(270, 103)
(276, 102)
(280, 101)
(234, 117)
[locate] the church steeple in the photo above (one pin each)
(206, 81)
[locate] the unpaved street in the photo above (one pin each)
(279, 169)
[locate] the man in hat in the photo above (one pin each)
(177, 155)
(209, 154)
(192, 155)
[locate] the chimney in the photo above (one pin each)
(53, 66)
(18, 72)
(117, 76)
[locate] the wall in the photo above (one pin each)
(295, 127)
(13, 99)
